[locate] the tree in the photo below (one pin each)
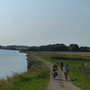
(73, 47)
(85, 49)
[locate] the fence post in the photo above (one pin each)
(85, 71)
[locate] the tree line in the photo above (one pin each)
(60, 47)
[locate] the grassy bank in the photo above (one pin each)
(36, 78)
(76, 65)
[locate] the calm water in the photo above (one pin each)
(12, 62)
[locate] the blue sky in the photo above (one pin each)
(41, 22)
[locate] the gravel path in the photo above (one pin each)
(59, 83)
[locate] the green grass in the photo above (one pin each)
(36, 79)
(77, 67)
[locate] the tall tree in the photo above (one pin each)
(73, 47)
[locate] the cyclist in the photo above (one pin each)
(61, 65)
(66, 70)
(55, 68)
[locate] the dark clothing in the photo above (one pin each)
(61, 64)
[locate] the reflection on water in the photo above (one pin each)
(12, 62)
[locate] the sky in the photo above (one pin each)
(42, 22)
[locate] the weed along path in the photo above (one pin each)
(59, 83)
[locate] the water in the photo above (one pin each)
(11, 62)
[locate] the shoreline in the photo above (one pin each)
(10, 63)
(36, 77)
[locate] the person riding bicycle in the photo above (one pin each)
(61, 65)
(66, 70)
(55, 68)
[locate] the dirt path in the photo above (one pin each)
(59, 83)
